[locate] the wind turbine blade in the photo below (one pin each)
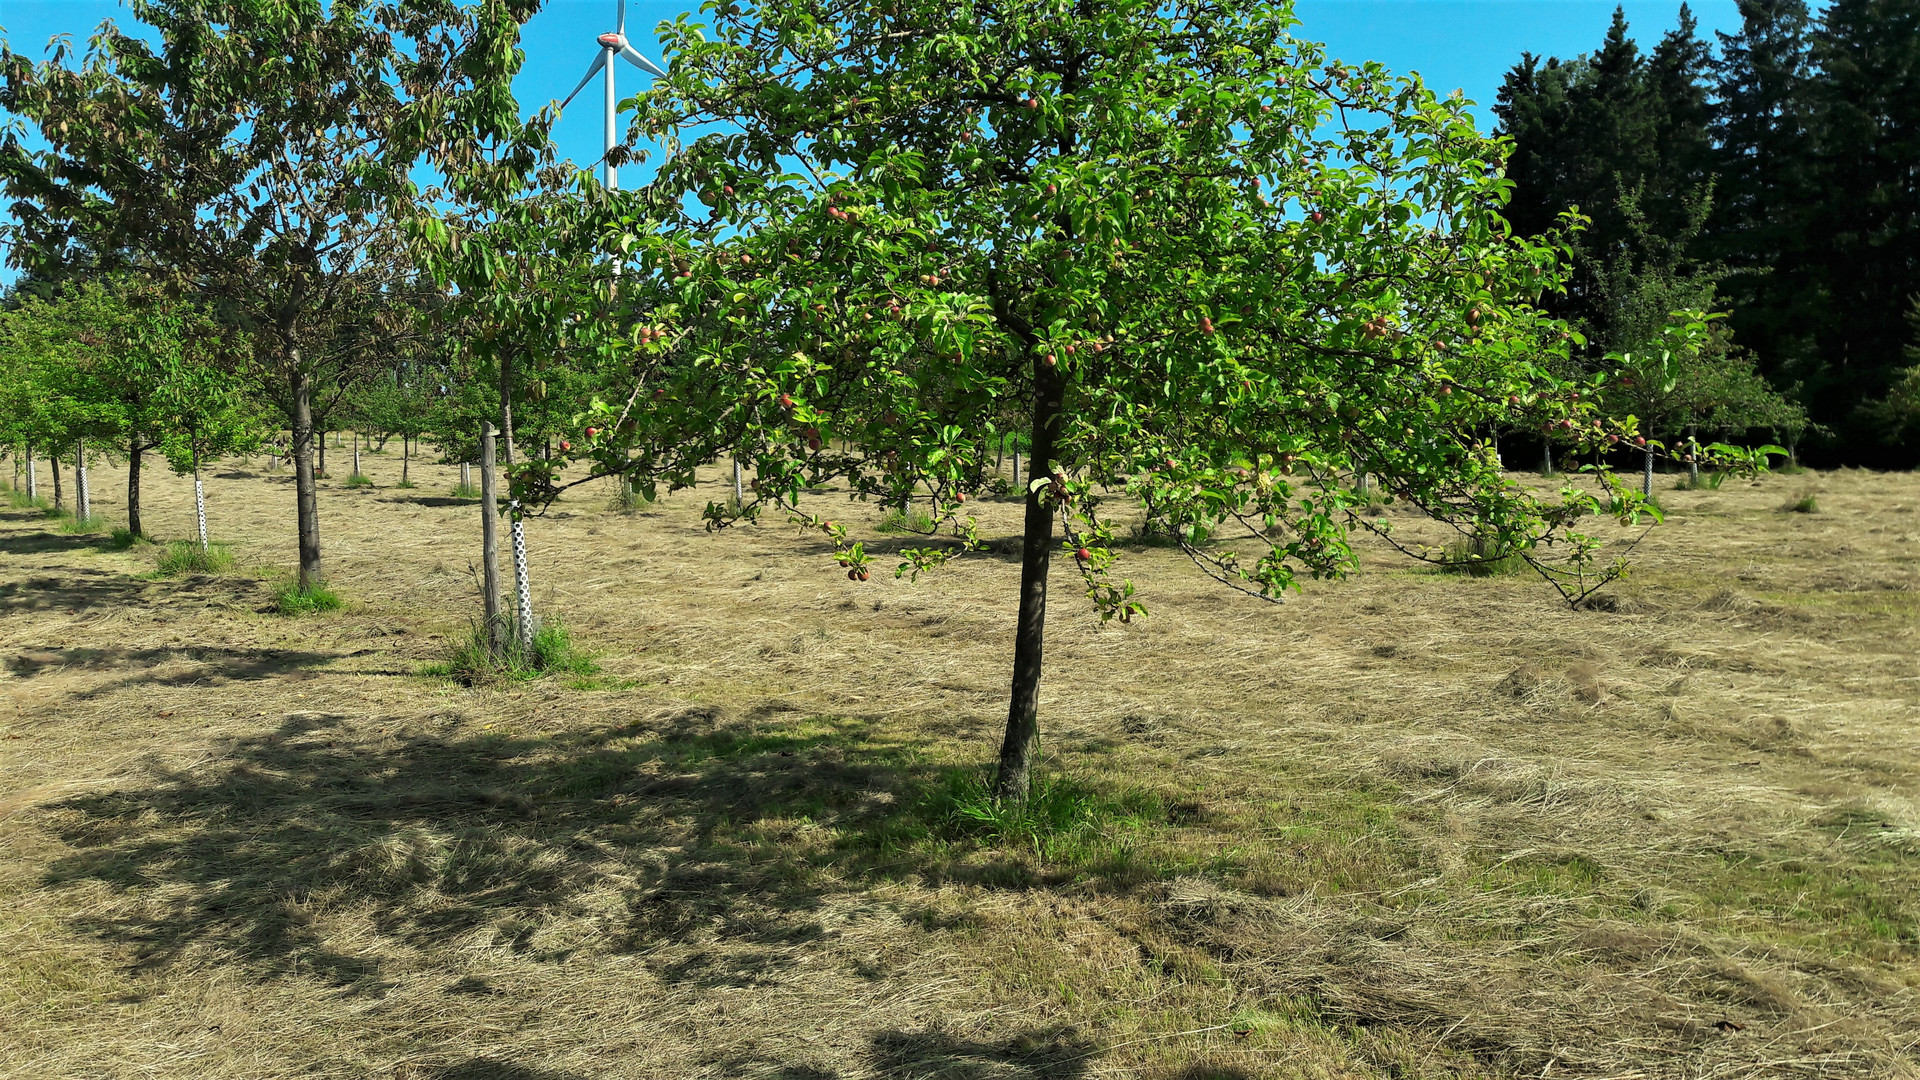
(620, 22)
(642, 62)
(599, 62)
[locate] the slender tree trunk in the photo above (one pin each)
(466, 476)
(1693, 456)
(406, 460)
(739, 491)
(489, 540)
(307, 495)
(59, 493)
(1546, 459)
(1498, 461)
(1646, 475)
(1023, 710)
(33, 475)
(1360, 477)
(1016, 468)
(356, 453)
(199, 502)
(134, 450)
(82, 491)
(1793, 457)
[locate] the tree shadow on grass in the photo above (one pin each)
(76, 589)
(433, 836)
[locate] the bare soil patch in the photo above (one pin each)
(1407, 825)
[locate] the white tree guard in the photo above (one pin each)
(200, 508)
(33, 476)
(82, 494)
(523, 591)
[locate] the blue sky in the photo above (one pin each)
(1467, 44)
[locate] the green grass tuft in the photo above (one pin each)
(407, 484)
(465, 491)
(474, 662)
(83, 526)
(1063, 820)
(911, 520)
(1806, 505)
(359, 481)
(626, 499)
(1475, 556)
(185, 557)
(123, 538)
(290, 599)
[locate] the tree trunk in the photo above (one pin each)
(1360, 477)
(1693, 456)
(59, 494)
(356, 453)
(466, 476)
(199, 502)
(1546, 459)
(1498, 462)
(489, 540)
(134, 450)
(739, 490)
(33, 476)
(1023, 710)
(1016, 468)
(1646, 475)
(82, 491)
(406, 460)
(307, 495)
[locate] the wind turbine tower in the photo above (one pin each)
(612, 45)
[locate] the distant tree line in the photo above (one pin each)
(1775, 173)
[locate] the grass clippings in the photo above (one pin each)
(1406, 825)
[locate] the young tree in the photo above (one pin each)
(256, 160)
(207, 414)
(1211, 268)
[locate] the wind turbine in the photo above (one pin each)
(612, 45)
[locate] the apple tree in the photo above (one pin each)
(256, 159)
(1209, 269)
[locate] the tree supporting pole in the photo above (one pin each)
(739, 491)
(33, 475)
(489, 540)
(1646, 476)
(1693, 457)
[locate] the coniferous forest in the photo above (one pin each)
(1773, 174)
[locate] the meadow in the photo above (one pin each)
(1410, 824)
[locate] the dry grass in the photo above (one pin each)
(1409, 825)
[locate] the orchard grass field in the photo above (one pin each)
(1413, 824)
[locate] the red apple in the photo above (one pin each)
(565, 446)
(786, 402)
(1052, 189)
(591, 432)
(1083, 555)
(728, 189)
(1639, 440)
(1316, 217)
(1049, 360)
